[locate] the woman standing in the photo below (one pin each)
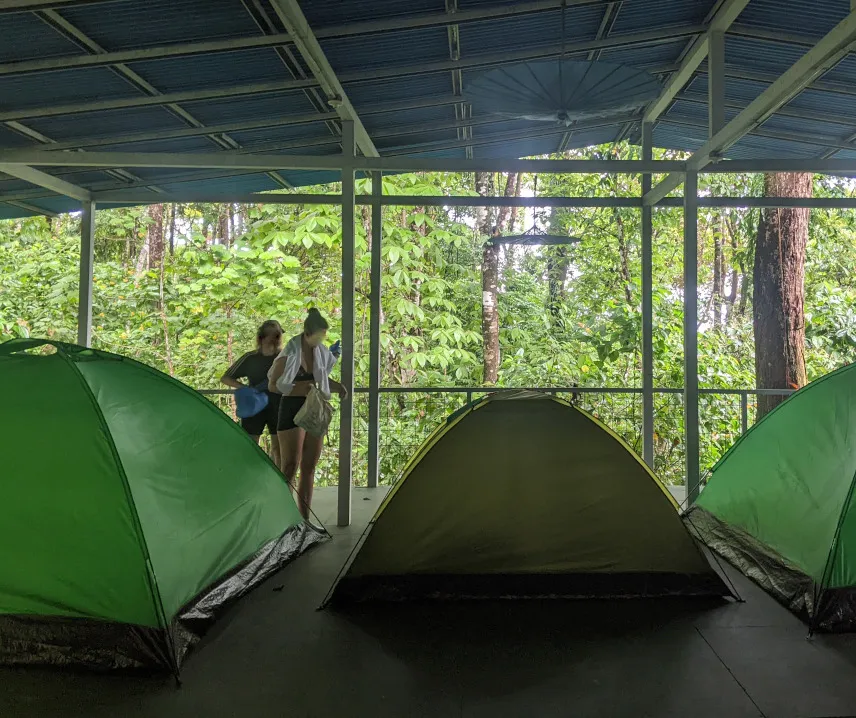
(303, 363)
(254, 367)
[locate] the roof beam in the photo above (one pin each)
(68, 62)
(461, 17)
(42, 179)
(16, 6)
(726, 13)
(488, 60)
(296, 24)
(699, 99)
(32, 208)
(827, 53)
(168, 98)
(229, 160)
(285, 121)
(73, 33)
(796, 137)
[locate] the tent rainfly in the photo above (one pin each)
(147, 512)
(780, 504)
(524, 495)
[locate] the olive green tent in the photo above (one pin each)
(523, 494)
(780, 506)
(131, 510)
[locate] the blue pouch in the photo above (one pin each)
(249, 401)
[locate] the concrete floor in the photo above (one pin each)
(275, 655)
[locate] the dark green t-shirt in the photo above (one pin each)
(254, 367)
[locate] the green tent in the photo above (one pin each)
(780, 506)
(522, 494)
(132, 510)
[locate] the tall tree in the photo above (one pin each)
(155, 240)
(558, 264)
(490, 280)
(778, 305)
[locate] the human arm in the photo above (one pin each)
(339, 388)
(231, 383)
(233, 375)
(275, 373)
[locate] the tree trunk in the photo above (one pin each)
(779, 290)
(558, 265)
(733, 283)
(490, 279)
(223, 226)
(172, 229)
(623, 256)
(718, 269)
(155, 236)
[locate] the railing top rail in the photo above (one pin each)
(549, 389)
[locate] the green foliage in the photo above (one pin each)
(233, 267)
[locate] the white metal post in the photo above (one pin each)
(87, 263)
(691, 416)
(374, 331)
(346, 417)
(716, 82)
(647, 309)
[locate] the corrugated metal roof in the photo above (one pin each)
(544, 28)
(108, 123)
(370, 68)
(386, 91)
(233, 68)
(802, 125)
(146, 23)
(26, 37)
(250, 107)
(760, 55)
(806, 17)
(325, 13)
(58, 88)
(399, 48)
(647, 56)
(637, 15)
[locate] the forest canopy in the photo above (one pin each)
(183, 288)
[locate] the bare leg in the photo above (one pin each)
(257, 439)
(312, 446)
(275, 452)
(290, 450)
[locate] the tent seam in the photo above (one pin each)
(800, 392)
(832, 550)
(150, 572)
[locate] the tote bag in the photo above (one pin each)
(249, 401)
(315, 415)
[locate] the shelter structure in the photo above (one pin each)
(780, 504)
(148, 514)
(110, 102)
(575, 514)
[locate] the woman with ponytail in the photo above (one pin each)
(254, 367)
(303, 363)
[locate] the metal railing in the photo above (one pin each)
(409, 414)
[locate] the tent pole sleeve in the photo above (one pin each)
(346, 415)
(647, 309)
(374, 331)
(691, 416)
(87, 263)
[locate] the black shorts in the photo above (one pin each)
(288, 408)
(267, 417)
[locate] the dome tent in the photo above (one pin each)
(524, 495)
(780, 504)
(132, 511)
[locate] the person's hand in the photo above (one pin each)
(343, 392)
